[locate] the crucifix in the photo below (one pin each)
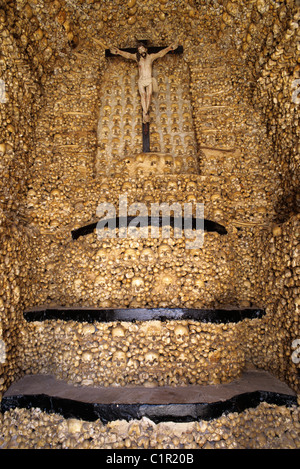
(145, 56)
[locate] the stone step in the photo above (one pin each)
(181, 404)
(148, 347)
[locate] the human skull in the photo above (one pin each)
(147, 256)
(100, 281)
(80, 193)
(187, 126)
(140, 158)
(130, 256)
(138, 128)
(188, 140)
(116, 144)
(119, 357)
(195, 255)
(190, 150)
(137, 284)
(105, 131)
(118, 331)
(102, 256)
(2, 148)
(179, 150)
(127, 130)
(31, 198)
(132, 363)
(154, 160)
(199, 283)
(215, 197)
(107, 110)
(55, 194)
(182, 357)
(138, 140)
(168, 161)
(155, 137)
(164, 252)
(164, 118)
(77, 285)
(190, 162)
(136, 302)
(165, 284)
(181, 332)
(191, 186)
(178, 163)
(151, 358)
(140, 171)
(105, 303)
(128, 162)
(105, 121)
(189, 281)
(148, 185)
(149, 199)
(162, 107)
(191, 198)
(156, 146)
(116, 130)
(174, 97)
(172, 186)
(218, 214)
(127, 186)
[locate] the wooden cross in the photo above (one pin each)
(151, 50)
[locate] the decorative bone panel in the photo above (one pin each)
(172, 137)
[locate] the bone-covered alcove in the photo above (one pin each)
(173, 148)
(129, 342)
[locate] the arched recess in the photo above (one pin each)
(119, 129)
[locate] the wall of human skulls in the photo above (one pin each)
(278, 259)
(19, 101)
(243, 65)
(267, 34)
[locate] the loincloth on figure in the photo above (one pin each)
(144, 82)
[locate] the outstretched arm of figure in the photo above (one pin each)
(126, 55)
(163, 52)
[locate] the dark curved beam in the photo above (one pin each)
(174, 412)
(151, 50)
(213, 316)
(209, 225)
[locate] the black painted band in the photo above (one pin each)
(160, 221)
(156, 412)
(216, 316)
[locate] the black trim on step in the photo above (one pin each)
(216, 316)
(209, 225)
(156, 412)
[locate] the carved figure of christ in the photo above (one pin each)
(146, 82)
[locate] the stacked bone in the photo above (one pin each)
(52, 164)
